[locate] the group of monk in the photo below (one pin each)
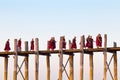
(88, 44)
(52, 43)
(7, 45)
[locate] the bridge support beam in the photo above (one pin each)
(36, 59)
(26, 62)
(5, 67)
(115, 63)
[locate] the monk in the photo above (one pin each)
(64, 43)
(7, 46)
(51, 44)
(73, 45)
(98, 41)
(32, 45)
(19, 44)
(89, 42)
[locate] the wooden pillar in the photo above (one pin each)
(81, 58)
(71, 64)
(115, 63)
(5, 67)
(15, 60)
(26, 62)
(60, 60)
(91, 65)
(37, 59)
(105, 57)
(48, 64)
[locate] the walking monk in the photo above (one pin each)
(7, 46)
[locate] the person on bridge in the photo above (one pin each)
(98, 41)
(51, 44)
(32, 45)
(19, 44)
(73, 45)
(89, 43)
(7, 46)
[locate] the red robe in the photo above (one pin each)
(19, 44)
(89, 43)
(49, 45)
(64, 44)
(7, 46)
(53, 45)
(73, 45)
(99, 41)
(32, 45)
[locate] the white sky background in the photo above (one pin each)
(27, 19)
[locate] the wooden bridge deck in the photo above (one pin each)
(67, 51)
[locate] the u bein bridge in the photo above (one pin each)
(70, 52)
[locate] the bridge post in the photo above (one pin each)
(91, 65)
(71, 64)
(81, 58)
(26, 61)
(36, 59)
(15, 60)
(105, 57)
(48, 65)
(60, 59)
(115, 62)
(5, 67)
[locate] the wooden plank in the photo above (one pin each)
(45, 52)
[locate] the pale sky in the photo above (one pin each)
(27, 19)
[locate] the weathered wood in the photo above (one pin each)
(71, 64)
(48, 66)
(81, 58)
(60, 60)
(36, 59)
(5, 68)
(26, 62)
(42, 52)
(105, 57)
(115, 63)
(15, 60)
(91, 66)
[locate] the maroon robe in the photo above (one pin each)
(7, 46)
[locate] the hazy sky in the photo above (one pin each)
(27, 19)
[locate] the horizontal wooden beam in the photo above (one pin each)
(46, 52)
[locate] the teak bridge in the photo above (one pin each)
(61, 52)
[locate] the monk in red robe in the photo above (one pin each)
(64, 43)
(51, 44)
(98, 41)
(19, 44)
(7, 45)
(89, 43)
(32, 45)
(73, 45)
